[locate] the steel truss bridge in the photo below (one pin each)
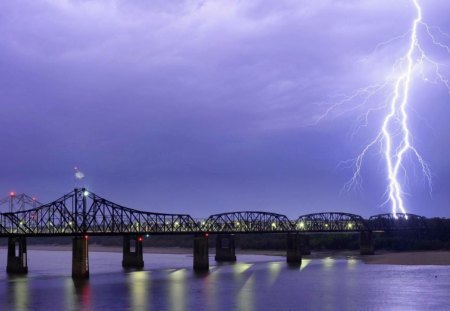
(81, 212)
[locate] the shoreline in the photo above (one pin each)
(411, 258)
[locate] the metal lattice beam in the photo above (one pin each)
(81, 212)
(391, 222)
(18, 202)
(247, 221)
(330, 222)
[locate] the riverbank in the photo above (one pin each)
(409, 258)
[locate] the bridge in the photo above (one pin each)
(19, 202)
(81, 214)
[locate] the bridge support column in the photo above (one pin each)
(225, 248)
(17, 256)
(366, 243)
(80, 257)
(293, 248)
(132, 252)
(201, 259)
(304, 245)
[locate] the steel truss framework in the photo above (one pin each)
(331, 222)
(81, 212)
(18, 202)
(247, 222)
(387, 222)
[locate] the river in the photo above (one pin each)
(255, 282)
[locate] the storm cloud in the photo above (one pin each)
(209, 106)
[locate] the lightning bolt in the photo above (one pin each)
(394, 157)
(394, 137)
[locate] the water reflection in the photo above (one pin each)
(240, 268)
(177, 290)
(77, 294)
(305, 263)
(210, 285)
(328, 263)
(351, 262)
(69, 294)
(18, 293)
(274, 271)
(319, 284)
(139, 289)
(245, 297)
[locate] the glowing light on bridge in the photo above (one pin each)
(394, 137)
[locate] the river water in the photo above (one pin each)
(255, 282)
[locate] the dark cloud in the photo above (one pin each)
(207, 106)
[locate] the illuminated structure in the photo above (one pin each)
(82, 213)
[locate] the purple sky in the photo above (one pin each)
(202, 107)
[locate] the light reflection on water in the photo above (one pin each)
(177, 290)
(274, 271)
(328, 263)
(139, 287)
(245, 297)
(19, 292)
(253, 283)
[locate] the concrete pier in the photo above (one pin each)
(17, 256)
(80, 257)
(133, 252)
(225, 248)
(304, 244)
(293, 249)
(201, 259)
(366, 246)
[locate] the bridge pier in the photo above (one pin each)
(132, 252)
(366, 246)
(304, 245)
(225, 248)
(201, 259)
(17, 256)
(80, 257)
(293, 248)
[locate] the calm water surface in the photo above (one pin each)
(254, 283)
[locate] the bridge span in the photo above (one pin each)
(81, 214)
